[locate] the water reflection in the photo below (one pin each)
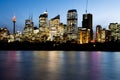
(95, 67)
(59, 65)
(11, 67)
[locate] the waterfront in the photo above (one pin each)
(52, 46)
(59, 65)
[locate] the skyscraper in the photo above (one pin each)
(72, 21)
(54, 26)
(87, 23)
(54, 22)
(29, 25)
(103, 35)
(115, 31)
(98, 33)
(43, 19)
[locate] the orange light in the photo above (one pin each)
(93, 41)
(14, 19)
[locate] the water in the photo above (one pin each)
(59, 65)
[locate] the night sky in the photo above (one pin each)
(104, 11)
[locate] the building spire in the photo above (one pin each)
(30, 17)
(46, 9)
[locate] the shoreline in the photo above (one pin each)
(107, 46)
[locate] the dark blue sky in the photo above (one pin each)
(104, 11)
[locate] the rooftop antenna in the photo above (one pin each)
(30, 17)
(86, 6)
(46, 9)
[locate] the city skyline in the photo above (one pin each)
(103, 12)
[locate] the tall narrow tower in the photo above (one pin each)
(14, 21)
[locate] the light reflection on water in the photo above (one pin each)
(59, 65)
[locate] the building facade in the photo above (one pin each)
(54, 24)
(29, 25)
(43, 20)
(83, 35)
(72, 21)
(115, 31)
(4, 33)
(103, 35)
(88, 23)
(98, 33)
(72, 24)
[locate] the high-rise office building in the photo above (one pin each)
(72, 24)
(83, 35)
(98, 33)
(108, 36)
(87, 23)
(54, 25)
(29, 25)
(72, 21)
(103, 35)
(115, 31)
(54, 22)
(43, 19)
(4, 32)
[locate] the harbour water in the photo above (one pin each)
(59, 65)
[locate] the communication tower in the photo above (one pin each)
(14, 21)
